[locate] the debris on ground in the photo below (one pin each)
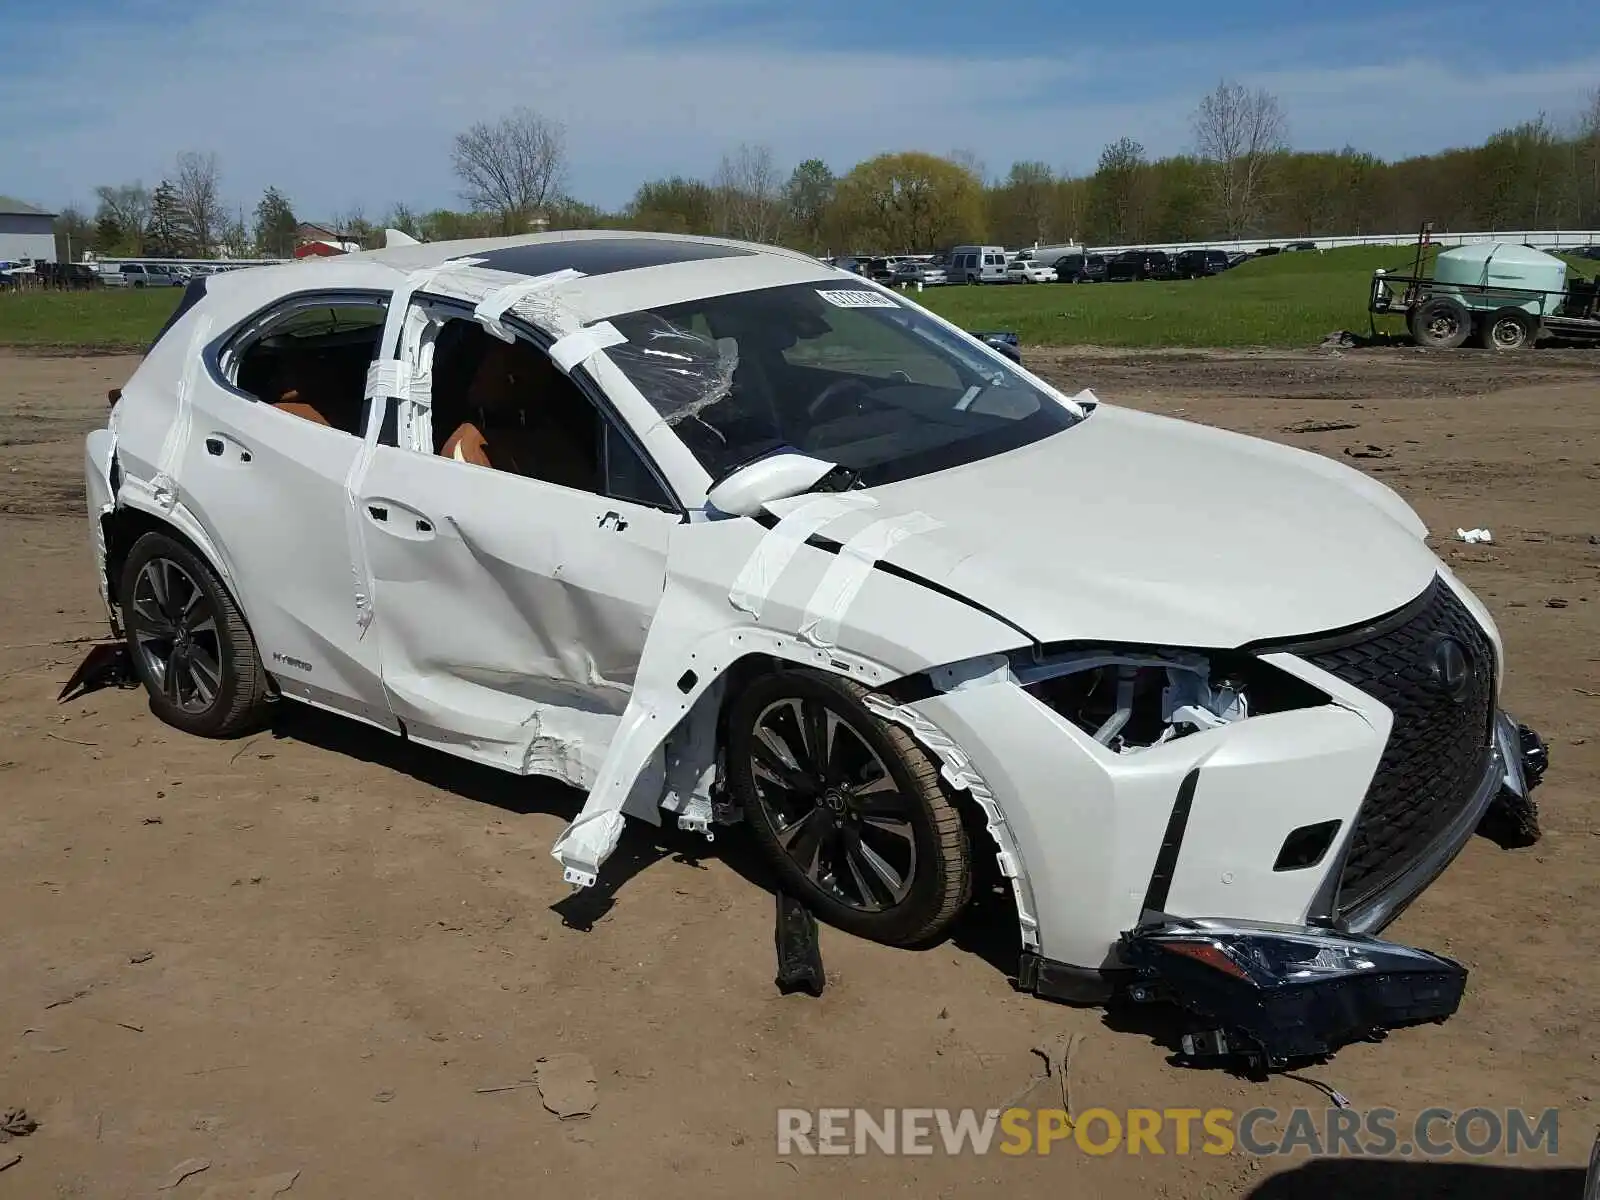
(264, 1187)
(63, 1001)
(188, 1167)
(799, 953)
(16, 1123)
(1327, 1089)
(143, 956)
(1473, 536)
(1320, 426)
(1555, 602)
(1056, 1055)
(566, 1085)
(1370, 451)
(1339, 339)
(504, 1087)
(105, 665)
(7, 1161)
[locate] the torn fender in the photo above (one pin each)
(888, 626)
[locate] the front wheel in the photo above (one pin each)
(1440, 323)
(189, 643)
(849, 810)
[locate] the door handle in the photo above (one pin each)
(613, 520)
(407, 522)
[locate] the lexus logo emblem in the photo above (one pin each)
(1449, 670)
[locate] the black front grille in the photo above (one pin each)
(1439, 747)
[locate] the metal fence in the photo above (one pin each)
(1552, 238)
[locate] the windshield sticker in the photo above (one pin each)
(840, 298)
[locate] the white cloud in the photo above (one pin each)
(355, 101)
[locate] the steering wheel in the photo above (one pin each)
(837, 391)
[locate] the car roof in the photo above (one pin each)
(616, 271)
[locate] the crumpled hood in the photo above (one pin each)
(1138, 528)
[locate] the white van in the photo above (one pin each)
(1048, 256)
(977, 264)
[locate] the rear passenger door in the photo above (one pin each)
(278, 421)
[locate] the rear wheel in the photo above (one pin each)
(189, 644)
(1440, 323)
(1506, 329)
(849, 810)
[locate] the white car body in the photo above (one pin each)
(547, 630)
(1023, 270)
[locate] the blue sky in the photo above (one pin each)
(352, 103)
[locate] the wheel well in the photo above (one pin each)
(122, 529)
(976, 822)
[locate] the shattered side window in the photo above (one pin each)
(832, 369)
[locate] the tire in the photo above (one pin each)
(1440, 323)
(177, 612)
(879, 796)
(1506, 329)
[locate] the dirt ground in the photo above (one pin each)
(308, 951)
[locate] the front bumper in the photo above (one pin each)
(1277, 993)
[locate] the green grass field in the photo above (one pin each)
(1286, 300)
(109, 319)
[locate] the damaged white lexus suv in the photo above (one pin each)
(719, 534)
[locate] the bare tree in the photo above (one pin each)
(513, 167)
(969, 161)
(125, 207)
(1237, 132)
(749, 194)
(198, 187)
(1588, 147)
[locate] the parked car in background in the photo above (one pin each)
(140, 275)
(977, 264)
(1094, 269)
(882, 269)
(1300, 246)
(1139, 264)
(1025, 270)
(1266, 251)
(1195, 264)
(848, 262)
(913, 270)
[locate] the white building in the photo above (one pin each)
(26, 232)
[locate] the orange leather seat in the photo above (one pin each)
(295, 407)
(467, 444)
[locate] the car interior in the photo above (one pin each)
(506, 406)
(314, 365)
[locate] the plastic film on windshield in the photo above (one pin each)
(683, 372)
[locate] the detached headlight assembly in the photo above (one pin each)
(1132, 698)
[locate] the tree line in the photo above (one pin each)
(1240, 178)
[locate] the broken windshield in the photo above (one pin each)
(841, 372)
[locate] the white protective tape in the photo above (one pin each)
(777, 549)
(491, 310)
(388, 379)
(580, 344)
(164, 487)
(849, 572)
